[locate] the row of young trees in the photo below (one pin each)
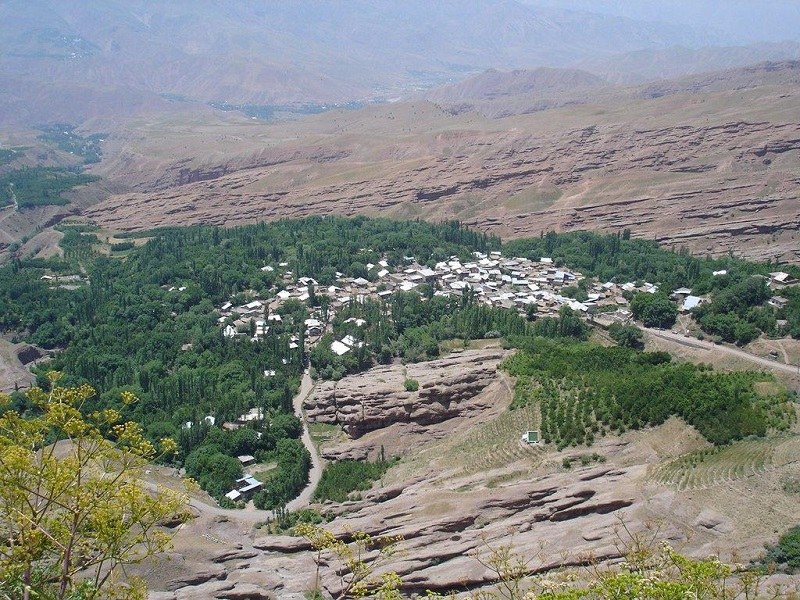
(586, 390)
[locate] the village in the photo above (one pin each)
(494, 280)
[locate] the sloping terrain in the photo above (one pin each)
(496, 94)
(713, 165)
(678, 61)
(501, 94)
(467, 484)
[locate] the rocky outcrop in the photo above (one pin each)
(378, 399)
(27, 354)
(199, 577)
(450, 522)
(442, 533)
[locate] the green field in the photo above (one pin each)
(39, 186)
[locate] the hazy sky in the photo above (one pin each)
(734, 21)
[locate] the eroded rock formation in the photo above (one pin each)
(378, 399)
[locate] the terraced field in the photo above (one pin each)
(713, 466)
(495, 444)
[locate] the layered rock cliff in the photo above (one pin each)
(377, 399)
(730, 183)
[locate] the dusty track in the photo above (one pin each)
(704, 345)
(315, 474)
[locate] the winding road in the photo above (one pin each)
(252, 515)
(314, 475)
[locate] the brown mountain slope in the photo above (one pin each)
(501, 94)
(715, 171)
(493, 84)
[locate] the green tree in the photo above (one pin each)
(628, 336)
(786, 553)
(654, 310)
(73, 507)
(215, 471)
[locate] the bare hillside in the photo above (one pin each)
(465, 482)
(713, 165)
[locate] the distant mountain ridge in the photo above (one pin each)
(709, 162)
(493, 84)
(500, 94)
(679, 61)
(285, 52)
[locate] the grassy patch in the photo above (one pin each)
(791, 485)
(497, 443)
(263, 470)
(533, 199)
(324, 433)
(344, 476)
(39, 186)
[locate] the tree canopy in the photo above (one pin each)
(73, 506)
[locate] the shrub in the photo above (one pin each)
(786, 553)
(411, 385)
(344, 476)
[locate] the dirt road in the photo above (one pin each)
(250, 515)
(314, 475)
(772, 365)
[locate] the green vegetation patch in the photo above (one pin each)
(122, 246)
(289, 477)
(738, 292)
(786, 553)
(39, 186)
(411, 385)
(623, 258)
(344, 476)
(285, 521)
(497, 443)
(717, 464)
(534, 199)
(586, 390)
(64, 137)
(77, 245)
(8, 155)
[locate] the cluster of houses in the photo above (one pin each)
(776, 281)
(65, 282)
(245, 487)
(494, 280)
